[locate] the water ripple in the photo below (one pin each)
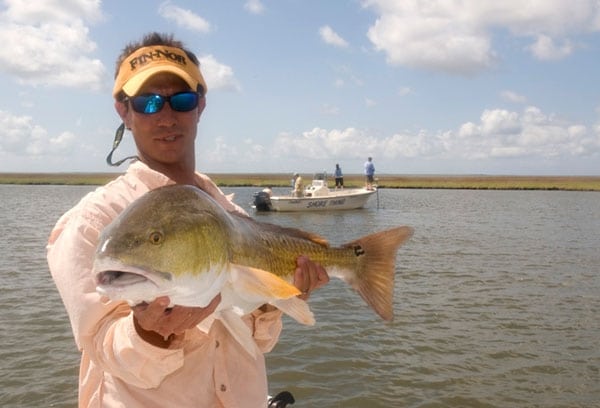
(496, 305)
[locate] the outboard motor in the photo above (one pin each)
(281, 400)
(262, 201)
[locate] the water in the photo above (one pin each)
(497, 304)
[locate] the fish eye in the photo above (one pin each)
(156, 237)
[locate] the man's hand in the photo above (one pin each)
(155, 322)
(309, 276)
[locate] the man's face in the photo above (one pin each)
(167, 137)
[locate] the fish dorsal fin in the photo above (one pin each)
(279, 230)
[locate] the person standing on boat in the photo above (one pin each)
(369, 173)
(298, 186)
(339, 177)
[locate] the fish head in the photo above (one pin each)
(172, 241)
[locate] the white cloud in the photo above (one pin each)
(498, 134)
(345, 76)
(14, 132)
(33, 55)
(42, 145)
(331, 37)
(330, 110)
(369, 103)
(183, 17)
(62, 142)
(21, 137)
(37, 12)
(512, 96)
(531, 133)
(254, 6)
(499, 121)
(405, 90)
(456, 36)
(218, 75)
(545, 48)
(223, 151)
(418, 35)
(225, 154)
(320, 143)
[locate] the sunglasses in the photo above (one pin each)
(152, 103)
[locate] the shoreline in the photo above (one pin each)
(260, 180)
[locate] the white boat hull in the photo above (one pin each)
(347, 199)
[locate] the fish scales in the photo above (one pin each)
(277, 250)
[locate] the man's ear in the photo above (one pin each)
(201, 106)
(122, 109)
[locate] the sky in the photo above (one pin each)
(423, 86)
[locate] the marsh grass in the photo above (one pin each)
(57, 178)
(574, 183)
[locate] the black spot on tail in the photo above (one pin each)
(358, 250)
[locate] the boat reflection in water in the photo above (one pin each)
(317, 197)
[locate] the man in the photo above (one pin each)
(369, 173)
(298, 185)
(152, 355)
(339, 177)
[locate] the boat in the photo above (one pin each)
(317, 197)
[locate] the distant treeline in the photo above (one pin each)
(574, 183)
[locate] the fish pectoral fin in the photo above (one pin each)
(206, 324)
(297, 309)
(238, 329)
(257, 284)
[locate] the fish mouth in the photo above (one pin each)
(119, 278)
(133, 284)
(113, 273)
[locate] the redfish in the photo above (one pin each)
(176, 241)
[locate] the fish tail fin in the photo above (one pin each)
(374, 278)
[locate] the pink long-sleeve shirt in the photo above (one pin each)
(120, 369)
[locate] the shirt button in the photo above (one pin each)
(223, 387)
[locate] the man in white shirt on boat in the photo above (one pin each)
(298, 186)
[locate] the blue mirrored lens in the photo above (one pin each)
(147, 103)
(152, 103)
(184, 101)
